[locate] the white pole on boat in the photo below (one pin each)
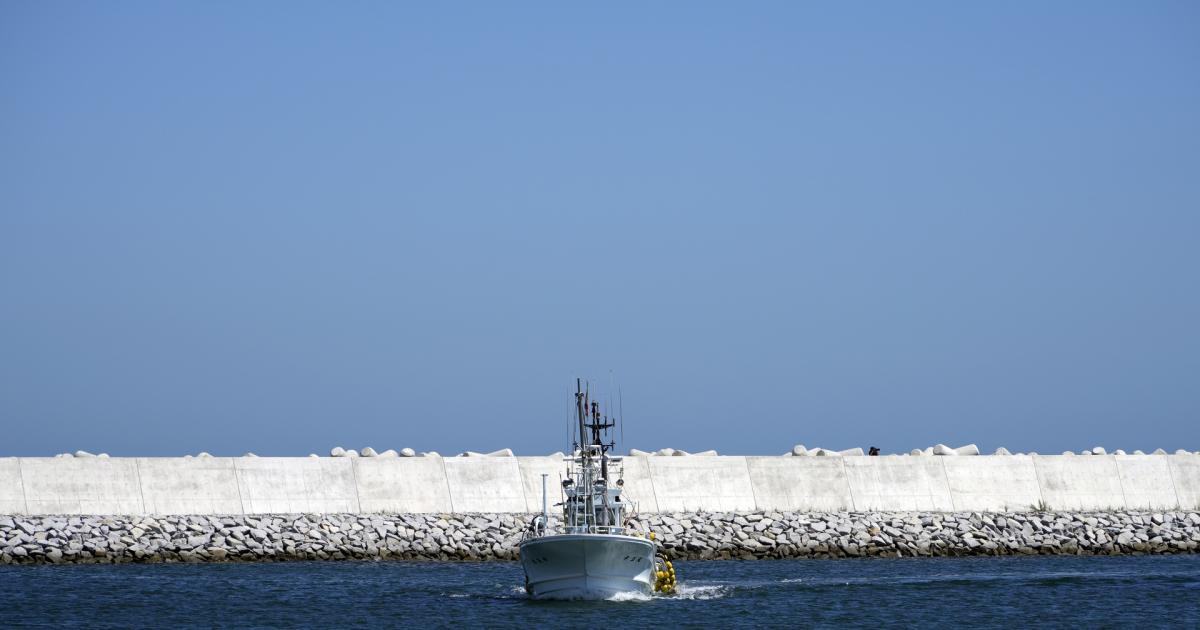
(545, 506)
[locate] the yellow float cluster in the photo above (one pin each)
(664, 578)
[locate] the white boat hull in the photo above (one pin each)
(587, 566)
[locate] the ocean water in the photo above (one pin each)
(1033, 592)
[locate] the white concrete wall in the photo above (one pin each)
(81, 486)
(532, 469)
(402, 485)
(296, 484)
(639, 487)
(898, 483)
(200, 485)
(1146, 482)
(1185, 475)
(249, 485)
(683, 484)
(1081, 482)
(992, 484)
(485, 484)
(815, 484)
(12, 489)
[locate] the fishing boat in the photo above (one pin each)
(591, 554)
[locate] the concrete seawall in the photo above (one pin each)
(499, 485)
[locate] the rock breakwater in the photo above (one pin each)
(759, 535)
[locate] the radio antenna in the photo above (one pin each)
(610, 409)
(621, 410)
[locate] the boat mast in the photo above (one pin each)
(589, 417)
(584, 481)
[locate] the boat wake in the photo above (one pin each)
(701, 591)
(629, 596)
(683, 591)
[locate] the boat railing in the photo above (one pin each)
(537, 530)
(596, 529)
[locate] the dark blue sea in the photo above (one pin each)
(1037, 592)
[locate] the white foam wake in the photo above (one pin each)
(628, 596)
(700, 591)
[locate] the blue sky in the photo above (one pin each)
(279, 227)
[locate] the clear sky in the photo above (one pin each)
(283, 226)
